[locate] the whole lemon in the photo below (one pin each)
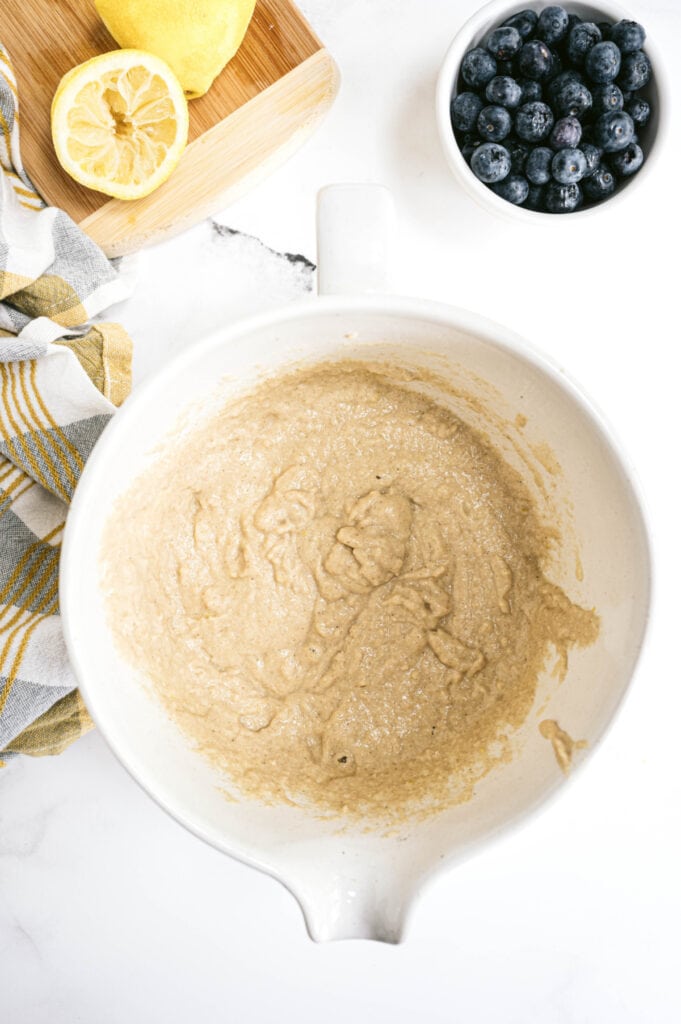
(195, 37)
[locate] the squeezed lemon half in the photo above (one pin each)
(119, 123)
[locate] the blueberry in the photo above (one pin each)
(535, 198)
(478, 67)
(607, 98)
(562, 198)
(599, 185)
(491, 162)
(603, 62)
(636, 72)
(535, 60)
(628, 161)
(504, 42)
(538, 165)
(582, 38)
(614, 131)
(573, 19)
(533, 121)
(556, 63)
(494, 123)
(519, 152)
(513, 189)
(592, 155)
(553, 24)
(464, 110)
(639, 111)
(573, 100)
(568, 165)
(628, 35)
(530, 90)
(566, 134)
(504, 91)
(560, 81)
(525, 22)
(605, 27)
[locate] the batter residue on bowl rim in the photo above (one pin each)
(336, 589)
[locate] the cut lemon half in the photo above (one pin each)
(119, 123)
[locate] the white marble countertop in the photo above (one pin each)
(110, 913)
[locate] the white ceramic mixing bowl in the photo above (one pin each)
(352, 883)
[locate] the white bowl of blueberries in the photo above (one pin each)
(546, 109)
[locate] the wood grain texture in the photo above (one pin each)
(267, 100)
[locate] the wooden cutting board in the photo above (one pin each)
(266, 102)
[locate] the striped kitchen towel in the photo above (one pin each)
(61, 377)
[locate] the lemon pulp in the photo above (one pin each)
(119, 123)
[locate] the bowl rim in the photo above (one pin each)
(436, 312)
(445, 89)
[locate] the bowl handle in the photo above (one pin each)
(355, 228)
(342, 906)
